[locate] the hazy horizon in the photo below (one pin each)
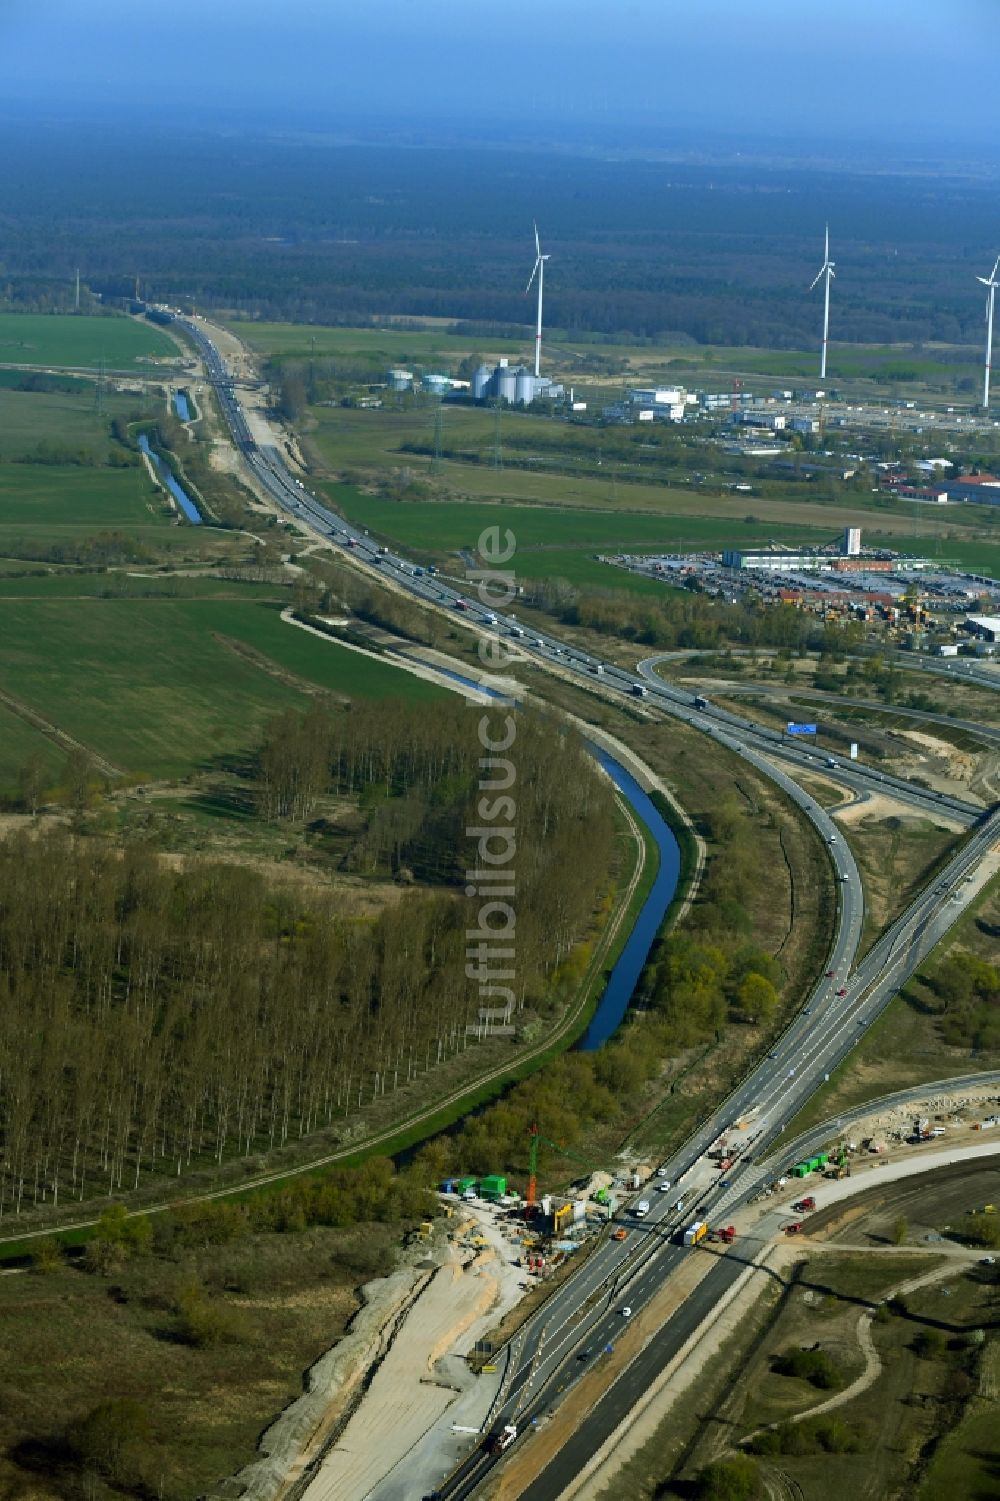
(908, 76)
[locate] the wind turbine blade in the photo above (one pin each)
(826, 244)
(996, 268)
(816, 278)
(532, 276)
(831, 271)
(538, 248)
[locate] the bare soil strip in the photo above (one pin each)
(60, 737)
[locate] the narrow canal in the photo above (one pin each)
(620, 988)
(184, 500)
(618, 992)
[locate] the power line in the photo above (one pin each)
(438, 425)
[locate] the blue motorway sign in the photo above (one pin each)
(800, 729)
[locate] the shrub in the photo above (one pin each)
(46, 1255)
(203, 1322)
(930, 1344)
(111, 1438)
(736, 1479)
(814, 1366)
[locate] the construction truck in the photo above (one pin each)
(794, 1229)
(727, 1234)
(805, 1206)
(695, 1232)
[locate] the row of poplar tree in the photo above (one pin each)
(159, 1020)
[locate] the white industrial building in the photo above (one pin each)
(775, 560)
(657, 396)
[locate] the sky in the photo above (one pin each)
(889, 70)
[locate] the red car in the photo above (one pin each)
(841, 992)
(830, 974)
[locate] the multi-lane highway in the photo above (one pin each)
(269, 469)
(805, 694)
(586, 1314)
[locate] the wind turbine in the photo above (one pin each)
(992, 283)
(539, 266)
(826, 270)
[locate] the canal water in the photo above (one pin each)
(181, 406)
(184, 500)
(618, 992)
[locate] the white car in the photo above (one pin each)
(626, 1313)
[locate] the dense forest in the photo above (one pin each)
(293, 228)
(686, 618)
(160, 1020)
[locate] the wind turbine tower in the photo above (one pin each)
(538, 267)
(825, 273)
(991, 283)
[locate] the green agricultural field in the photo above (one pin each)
(80, 341)
(130, 583)
(63, 420)
(572, 358)
(552, 464)
(38, 499)
(980, 557)
(20, 742)
(441, 527)
(47, 511)
(149, 685)
(584, 570)
(382, 346)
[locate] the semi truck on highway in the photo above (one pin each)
(700, 701)
(501, 1439)
(641, 1209)
(696, 1232)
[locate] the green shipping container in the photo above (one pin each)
(493, 1187)
(801, 1170)
(464, 1183)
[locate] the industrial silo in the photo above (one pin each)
(507, 383)
(524, 388)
